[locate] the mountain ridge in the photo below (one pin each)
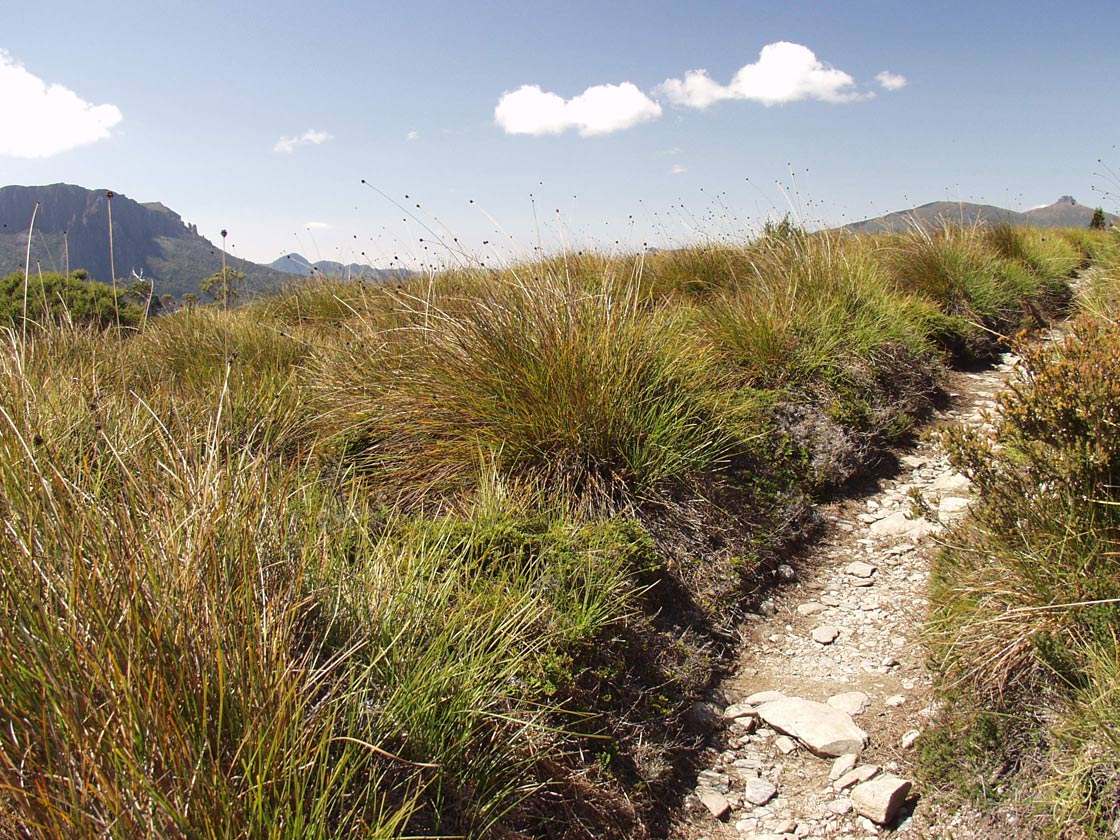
(1065, 212)
(149, 238)
(297, 264)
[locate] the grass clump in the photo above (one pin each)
(581, 392)
(983, 281)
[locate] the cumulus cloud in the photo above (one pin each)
(601, 109)
(309, 137)
(784, 72)
(891, 81)
(42, 120)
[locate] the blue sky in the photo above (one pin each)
(190, 104)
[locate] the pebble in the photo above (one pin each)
(851, 702)
(840, 807)
(716, 803)
(825, 635)
(856, 776)
(759, 792)
(842, 765)
(860, 569)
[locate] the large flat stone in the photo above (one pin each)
(824, 730)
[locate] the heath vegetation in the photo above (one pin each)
(456, 556)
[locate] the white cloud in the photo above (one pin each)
(678, 169)
(317, 226)
(311, 136)
(42, 120)
(412, 135)
(891, 81)
(601, 109)
(784, 72)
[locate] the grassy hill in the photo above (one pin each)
(351, 562)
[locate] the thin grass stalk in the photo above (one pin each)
(27, 268)
(112, 264)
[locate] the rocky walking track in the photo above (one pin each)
(813, 733)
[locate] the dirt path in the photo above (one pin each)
(844, 633)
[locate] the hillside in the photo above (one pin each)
(147, 238)
(298, 264)
(1065, 212)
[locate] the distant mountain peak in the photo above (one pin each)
(1065, 212)
(151, 239)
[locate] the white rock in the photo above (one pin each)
(949, 482)
(880, 798)
(716, 803)
(895, 525)
(842, 765)
(825, 635)
(859, 569)
(760, 697)
(858, 775)
(896, 700)
(824, 730)
(809, 608)
(759, 792)
(840, 807)
(951, 506)
(740, 710)
(851, 702)
(910, 738)
(784, 744)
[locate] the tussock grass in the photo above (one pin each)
(451, 557)
(581, 391)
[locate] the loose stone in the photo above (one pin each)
(851, 702)
(842, 765)
(824, 730)
(759, 792)
(860, 569)
(856, 776)
(716, 803)
(880, 798)
(825, 635)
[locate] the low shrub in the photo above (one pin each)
(1026, 594)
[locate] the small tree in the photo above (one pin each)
(223, 285)
(190, 300)
(1098, 220)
